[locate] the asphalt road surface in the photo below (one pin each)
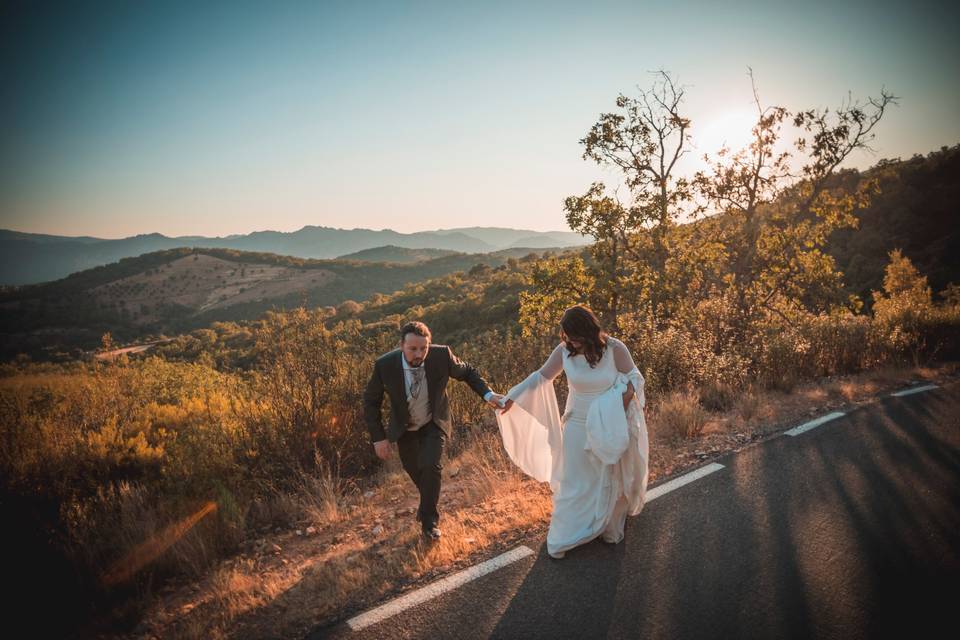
(848, 530)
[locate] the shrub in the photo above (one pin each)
(678, 415)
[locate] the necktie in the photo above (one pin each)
(417, 382)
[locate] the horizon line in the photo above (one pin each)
(306, 226)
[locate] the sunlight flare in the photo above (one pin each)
(730, 128)
(148, 551)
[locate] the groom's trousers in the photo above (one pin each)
(420, 454)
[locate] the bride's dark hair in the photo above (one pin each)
(579, 323)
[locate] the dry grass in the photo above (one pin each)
(679, 415)
(323, 496)
(718, 396)
(367, 544)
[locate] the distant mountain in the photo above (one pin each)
(27, 258)
(545, 240)
(391, 253)
(502, 237)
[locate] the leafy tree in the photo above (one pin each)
(774, 226)
(644, 140)
(556, 283)
(904, 308)
(903, 285)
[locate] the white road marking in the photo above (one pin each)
(676, 483)
(906, 392)
(806, 426)
(437, 588)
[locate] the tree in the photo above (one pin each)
(297, 371)
(772, 224)
(903, 285)
(904, 308)
(556, 283)
(951, 295)
(644, 140)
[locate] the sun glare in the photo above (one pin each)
(148, 551)
(731, 128)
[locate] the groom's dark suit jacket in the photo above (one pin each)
(441, 364)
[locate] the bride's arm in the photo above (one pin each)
(545, 374)
(625, 365)
(554, 364)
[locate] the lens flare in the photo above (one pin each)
(148, 551)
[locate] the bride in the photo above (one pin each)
(596, 456)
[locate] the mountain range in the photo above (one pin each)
(28, 258)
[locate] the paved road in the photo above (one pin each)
(849, 530)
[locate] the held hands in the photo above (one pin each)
(501, 402)
(382, 449)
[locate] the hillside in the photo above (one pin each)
(27, 258)
(918, 211)
(182, 289)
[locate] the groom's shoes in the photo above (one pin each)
(431, 533)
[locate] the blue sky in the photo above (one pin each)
(134, 117)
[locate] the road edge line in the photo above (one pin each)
(680, 481)
(437, 588)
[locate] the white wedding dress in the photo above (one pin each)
(595, 457)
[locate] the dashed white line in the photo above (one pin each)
(676, 483)
(906, 392)
(806, 426)
(437, 588)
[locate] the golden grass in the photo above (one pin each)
(679, 415)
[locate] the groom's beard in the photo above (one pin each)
(416, 362)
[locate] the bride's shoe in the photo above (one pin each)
(558, 555)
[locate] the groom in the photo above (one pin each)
(415, 377)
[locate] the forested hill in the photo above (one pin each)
(178, 290)
(917, 211)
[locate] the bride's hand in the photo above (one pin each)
(628, 396)
(506, 405)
